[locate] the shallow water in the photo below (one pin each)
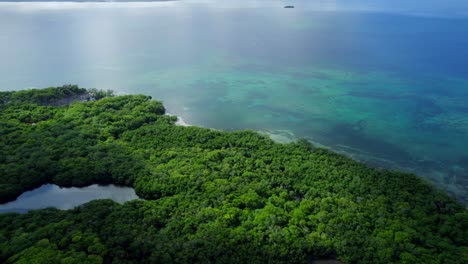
(386, 84)
(51, 195)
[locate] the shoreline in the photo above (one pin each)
(284, 136)
(180, 121)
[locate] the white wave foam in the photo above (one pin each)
(180, 121)
(280, 136)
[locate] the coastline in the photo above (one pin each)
(284, 136)
(180, 121)
(205, 182)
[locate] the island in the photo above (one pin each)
(208, 195)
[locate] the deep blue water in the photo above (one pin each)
(385, 82)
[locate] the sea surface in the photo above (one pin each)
(385, 82)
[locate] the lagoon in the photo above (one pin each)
(51, 195)
(386, 84)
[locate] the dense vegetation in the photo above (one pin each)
(211, 196)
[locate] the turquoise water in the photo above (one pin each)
(385, 84)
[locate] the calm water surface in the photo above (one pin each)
(386, 84)
(51, 195)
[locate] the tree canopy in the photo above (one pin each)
(209, 196)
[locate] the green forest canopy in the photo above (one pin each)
(210, 196)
